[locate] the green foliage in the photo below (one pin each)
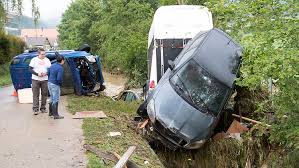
(117, 30)
(17, 6)
(268, 31)
(4, 75)
(2, 15)
(10, 46)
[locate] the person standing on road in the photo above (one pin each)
(39, 67)
(54, 84)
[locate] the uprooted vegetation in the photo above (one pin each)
(228, 153)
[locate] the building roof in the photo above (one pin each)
(34, 34)
(37, 41)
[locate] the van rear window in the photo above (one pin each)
(15, 61)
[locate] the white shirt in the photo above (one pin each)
(40, 66)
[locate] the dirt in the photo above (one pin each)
(38, 141)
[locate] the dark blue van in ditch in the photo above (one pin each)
(82, 71)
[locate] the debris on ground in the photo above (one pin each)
(234, 131)
(236, 127)
(25, 96)
(108, 156)
(89, 114)
(124, 159)
(143, 124)
(251, 120)
(113, 134)
(128, 95)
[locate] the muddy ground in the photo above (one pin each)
(28, 141)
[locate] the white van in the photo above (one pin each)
(171, 29)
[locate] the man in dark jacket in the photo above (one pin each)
(54, 84)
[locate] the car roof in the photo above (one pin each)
(65, 53)
(220, 55)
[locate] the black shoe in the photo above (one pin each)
(35, 112)
(55, 111)
(50, 109)
(58, 117)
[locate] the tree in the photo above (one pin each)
(116, 29)
(268, 32)
(16, 6)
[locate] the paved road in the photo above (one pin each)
(28, 141)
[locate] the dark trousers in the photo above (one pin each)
(36, 87)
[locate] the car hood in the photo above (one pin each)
(177, 115)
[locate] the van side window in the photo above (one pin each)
(27, 61)
(15, 61)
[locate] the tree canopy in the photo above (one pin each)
(16, 6)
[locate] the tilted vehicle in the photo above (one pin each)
(82, 71)
(172, 27)
(187, 103)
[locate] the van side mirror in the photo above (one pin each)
(171, 64)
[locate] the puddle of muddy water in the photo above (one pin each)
(114, 83)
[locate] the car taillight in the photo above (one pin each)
(152, 84)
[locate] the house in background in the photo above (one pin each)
(39, 42)
(45, 38)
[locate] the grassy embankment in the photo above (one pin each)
(95, 131)
(4, 75)
(254, 150)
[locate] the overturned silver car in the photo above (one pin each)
(187, 103)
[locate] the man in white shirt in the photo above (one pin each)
(39, 68)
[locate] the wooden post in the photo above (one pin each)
(250, 120)
(123, 160)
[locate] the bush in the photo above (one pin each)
(268, 32)
(10, 46)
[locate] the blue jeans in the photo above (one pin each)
(54, 91)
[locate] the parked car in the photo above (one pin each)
(172, 27)
(82, 71)
(187, 103)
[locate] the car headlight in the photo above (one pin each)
(195, 145)
(151, 110)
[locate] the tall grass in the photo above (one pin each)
(4, 75)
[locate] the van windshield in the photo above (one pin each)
(200, 89)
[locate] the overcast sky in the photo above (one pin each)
(49, 9)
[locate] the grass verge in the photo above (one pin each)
(95, 131)
(4, 75)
